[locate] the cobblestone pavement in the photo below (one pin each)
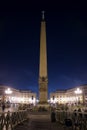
(39, 122)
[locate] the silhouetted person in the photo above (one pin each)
(79, 110)
(75, 112)
(3, 107)
(53, 116)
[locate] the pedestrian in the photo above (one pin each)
(53, 116)
(3, 107)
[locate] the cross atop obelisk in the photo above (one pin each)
(43, 78)
(43, 16)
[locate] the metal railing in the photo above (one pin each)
(8, 120)
(78, 119)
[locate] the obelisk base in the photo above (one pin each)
(43, 106)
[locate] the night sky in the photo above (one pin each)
(66, 26)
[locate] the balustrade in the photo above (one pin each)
(79, 119)
(8, 120)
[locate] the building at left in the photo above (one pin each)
(12, 95)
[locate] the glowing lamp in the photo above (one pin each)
(78, 91)
(8, 91)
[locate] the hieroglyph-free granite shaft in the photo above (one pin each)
(43, 77)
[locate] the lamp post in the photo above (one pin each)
(77, 92)
(8, 91)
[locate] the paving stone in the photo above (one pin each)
(39, 122)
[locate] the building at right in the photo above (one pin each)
(75, 96)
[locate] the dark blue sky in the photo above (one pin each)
(66, 45)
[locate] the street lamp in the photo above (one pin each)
(77, 92)
(8, 91)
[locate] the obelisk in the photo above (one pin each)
(43, 77)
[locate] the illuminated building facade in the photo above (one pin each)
(77, 95)
(9, 94)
